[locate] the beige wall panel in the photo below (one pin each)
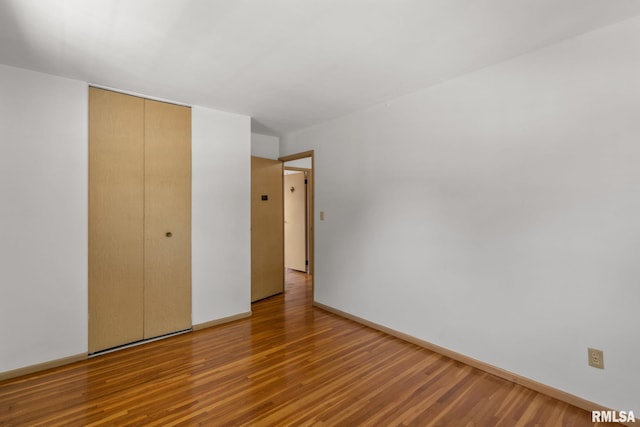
(295, 221)
(267, 233)
(167, 260)
(116, 149)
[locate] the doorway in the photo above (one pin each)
(299, 220)
(267, 222)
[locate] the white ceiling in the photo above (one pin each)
(287, 63)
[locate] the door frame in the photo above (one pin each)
(311, 213)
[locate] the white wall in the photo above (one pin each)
(43, 218)
(265, 146)
(43, 212)
(221, 239)
(497, 214)
(299, 163)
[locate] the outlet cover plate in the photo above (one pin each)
(596, 358)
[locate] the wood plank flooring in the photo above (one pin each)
(289, 364)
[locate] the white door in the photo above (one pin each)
(295, 224)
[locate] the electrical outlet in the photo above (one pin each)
(596, 358)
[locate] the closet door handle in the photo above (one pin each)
(169, 234)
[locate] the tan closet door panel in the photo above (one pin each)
(116, 149)
(167, 252)
(267, 232)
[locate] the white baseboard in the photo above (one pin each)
(221, 321)
(42, 366)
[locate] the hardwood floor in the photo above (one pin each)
(289, 364)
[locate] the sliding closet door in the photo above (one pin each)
(167, 250)
(116, 195)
